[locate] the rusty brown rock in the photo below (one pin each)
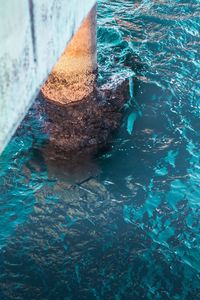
(84, 127)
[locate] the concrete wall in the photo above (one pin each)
(33, 35)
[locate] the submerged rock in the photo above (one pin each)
(86, 126)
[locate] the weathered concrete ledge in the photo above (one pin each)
(74, 75)
(33, 35)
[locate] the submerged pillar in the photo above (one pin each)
(73, 77)
(77, 128)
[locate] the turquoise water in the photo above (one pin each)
(132, 231)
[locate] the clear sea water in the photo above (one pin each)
(132, 232)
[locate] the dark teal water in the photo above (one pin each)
(132, 232)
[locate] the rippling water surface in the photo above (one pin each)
(133, 231)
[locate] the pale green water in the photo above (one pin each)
(133, 232)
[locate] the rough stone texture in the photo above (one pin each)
(33, 35)
(83, 128)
